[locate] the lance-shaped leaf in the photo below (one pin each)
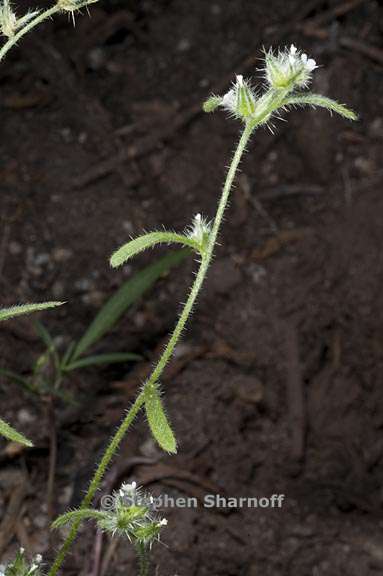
(10, 433)
(6, 313)
(158, 421)
(322, 101)
(99, 359)
(77, 515)
(127, 295)
(150, 240)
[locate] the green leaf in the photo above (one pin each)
(10, 433)
(112, 358)
(45, 336)
(322, 101)
(67, 355)
(24, 382)
(149, 241)
(127, 295)
(6, 313)
(77, 515)
(158, 421)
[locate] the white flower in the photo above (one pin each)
(128, 489)
(163, 522)
(288, 69)
(309, 63)
(199, 230)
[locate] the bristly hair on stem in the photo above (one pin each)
(287, 72)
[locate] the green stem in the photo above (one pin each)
(206, 259)
(143, 559)
(167, 353)
(34, 22)
(97, 478)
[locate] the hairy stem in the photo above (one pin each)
(169, 349)
(25, 29)
(97, 478)
(205, 262)
(143, 559)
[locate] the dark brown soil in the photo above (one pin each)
(277, 385)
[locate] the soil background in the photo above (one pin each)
(276, 387)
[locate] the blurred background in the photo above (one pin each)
(276, 387)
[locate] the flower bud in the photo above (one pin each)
(199, 230)
(240, 100)
(245, 99)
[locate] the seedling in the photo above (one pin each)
(53, 366)
(6, 429)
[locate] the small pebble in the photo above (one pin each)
(25, 417)
(14, 248)
(62, 254)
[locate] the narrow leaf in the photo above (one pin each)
(24, 382)
(6, 313)
(113, 358)
(75, 515)
(148, 241)
(67, 355)
(10, 433)
(158, 421)
(323, 102)
(45, 336)
(127, 295)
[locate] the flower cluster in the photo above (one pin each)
(9, 22)
(287, 73)
(21, 567)
(132, 516)
(288, 69)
